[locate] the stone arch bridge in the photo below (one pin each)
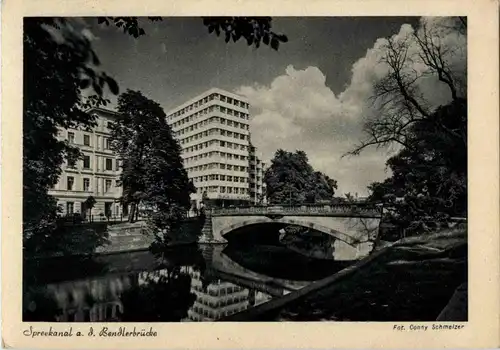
(354, 225)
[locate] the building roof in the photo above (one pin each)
(205, 94)
(103, 110)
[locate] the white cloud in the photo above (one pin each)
(298, 111)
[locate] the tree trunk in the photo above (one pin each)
(131, 214)
(137, 212)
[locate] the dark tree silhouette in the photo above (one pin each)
(291, 179)
(429, 181)
(153, 173)
(429, 173)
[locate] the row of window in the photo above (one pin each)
(211, 97)
(211, 154)
(213, 315)
(210, 143)
(219, 303)
(70, 184)
(223, 189)
(217, 166)
(252, 176)
(217, 291)
(212, 120)
(213, 177)
(211, 132)
(86, 140)
(212, 109)
(70, 208)
(87, 164)
(95, 314)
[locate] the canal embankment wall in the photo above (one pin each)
(111, 238)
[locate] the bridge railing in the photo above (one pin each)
(327, 209)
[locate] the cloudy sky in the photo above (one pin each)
(308, 95)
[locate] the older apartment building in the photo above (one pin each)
(96, 174)
(213, 131)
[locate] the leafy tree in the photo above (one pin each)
(429, 181)
(349, 198)
(291, 179)
(153, 173)
(89, 204)
(57, 67)
(429, 172)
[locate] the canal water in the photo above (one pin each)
(187, 283)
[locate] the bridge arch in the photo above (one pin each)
(286, 221)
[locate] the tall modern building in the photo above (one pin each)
(213, 131)
(256, 180)
(96, 174)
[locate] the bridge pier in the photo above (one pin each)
(207, 232)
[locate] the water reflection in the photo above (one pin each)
(198, 283)
(220, 298)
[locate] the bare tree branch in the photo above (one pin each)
(397, 101)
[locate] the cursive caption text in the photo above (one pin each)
(90, 332)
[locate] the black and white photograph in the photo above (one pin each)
(249, 169)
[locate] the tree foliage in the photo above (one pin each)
(89, 204)
(58, 65)
(429, 181)
(129, 25)
(429, 173)
(253, 29)
(152, 171)
(291, 179)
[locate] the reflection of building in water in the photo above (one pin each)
(260, 298)
(91, 300)
(217, 300)
(99, 299)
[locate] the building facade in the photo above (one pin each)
(213, 132)
(96, 174)
(256, 177)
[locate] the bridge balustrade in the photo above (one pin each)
(337, 209)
